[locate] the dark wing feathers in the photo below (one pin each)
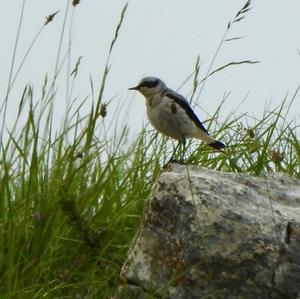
(183, 103)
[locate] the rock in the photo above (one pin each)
(208, 234)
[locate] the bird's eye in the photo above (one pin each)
(149, 84)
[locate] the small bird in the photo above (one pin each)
(171, 114)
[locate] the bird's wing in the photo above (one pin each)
(184, 104)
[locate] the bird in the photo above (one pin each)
(171, 114)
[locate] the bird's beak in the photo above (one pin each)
(134, 88)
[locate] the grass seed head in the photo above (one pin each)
(75, 2)
(250, 133)
(50, 17)
(276, 156)
(103, 110)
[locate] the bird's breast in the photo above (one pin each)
(162, 116)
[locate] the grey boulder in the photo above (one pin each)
(209, 234)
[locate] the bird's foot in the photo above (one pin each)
(172, 160)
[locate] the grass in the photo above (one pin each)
(71, 200)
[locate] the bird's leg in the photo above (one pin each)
(181, 146)
(175, 150)
(181, 143)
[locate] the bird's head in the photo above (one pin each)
(150, 86)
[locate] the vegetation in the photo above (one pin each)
(71, 200)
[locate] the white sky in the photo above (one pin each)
(161, 38)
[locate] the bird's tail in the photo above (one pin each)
(216, 145)
(209, 140)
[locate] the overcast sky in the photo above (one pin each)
(161, 38)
